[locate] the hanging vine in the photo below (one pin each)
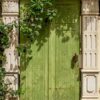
(35, 16)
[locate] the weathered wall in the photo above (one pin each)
(10, 13)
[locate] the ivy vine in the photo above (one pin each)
(35, 16)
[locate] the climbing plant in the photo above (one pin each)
(4, 42)
(34, 17)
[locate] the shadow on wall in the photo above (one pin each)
(65, 25)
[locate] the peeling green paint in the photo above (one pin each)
(53, 72)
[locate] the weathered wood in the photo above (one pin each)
(53, 71)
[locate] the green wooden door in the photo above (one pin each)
(53, 72)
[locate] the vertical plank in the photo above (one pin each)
(46, 64)
(52, 65)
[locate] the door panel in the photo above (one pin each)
(53, 72)
(64, 75)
